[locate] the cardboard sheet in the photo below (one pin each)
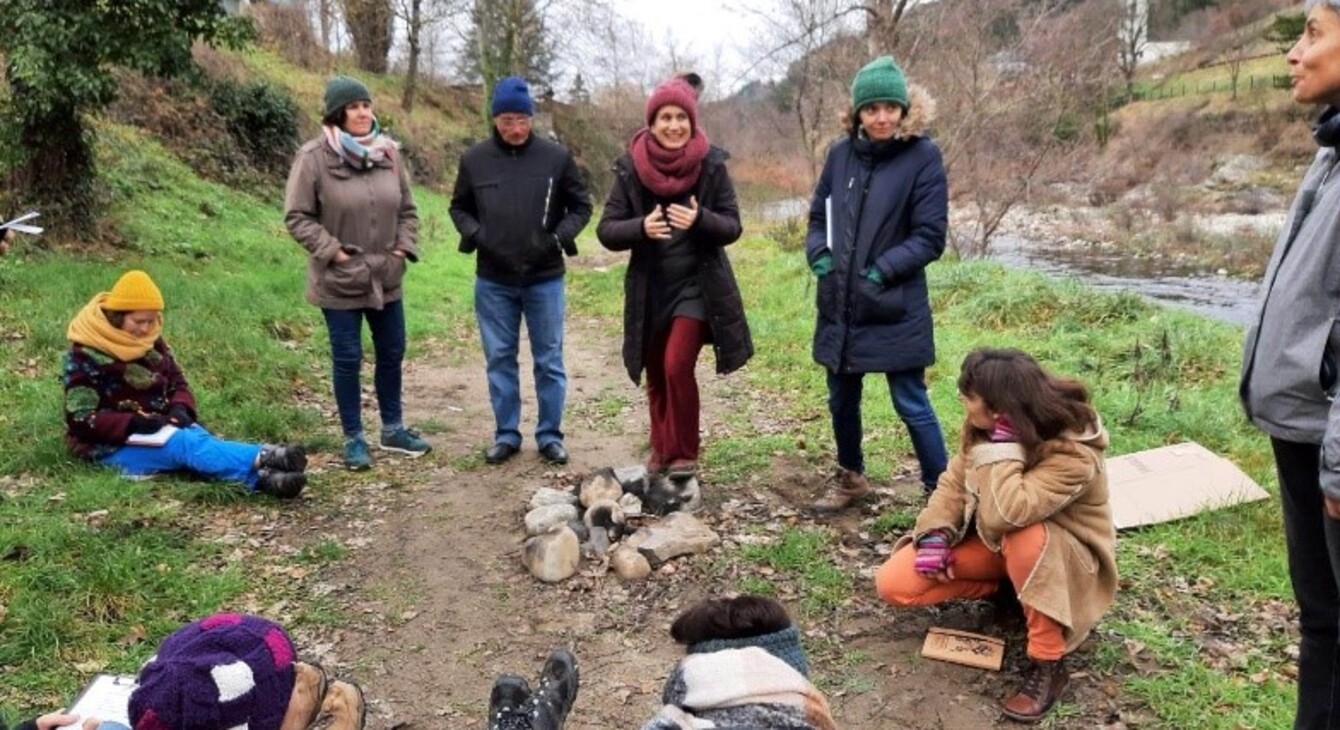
(964, 647)
(1172, 482)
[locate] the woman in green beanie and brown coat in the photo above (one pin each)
(348, 202)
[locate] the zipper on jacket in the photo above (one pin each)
(548, 195)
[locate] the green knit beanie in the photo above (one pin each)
(342, 91)
(879, 80)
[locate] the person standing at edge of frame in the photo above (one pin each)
(877, 219)
(1289, 368)
(519, 204)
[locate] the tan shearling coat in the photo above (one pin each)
(329, 206)
(987, 488)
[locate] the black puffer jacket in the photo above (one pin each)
(519, 208)
(718, 225)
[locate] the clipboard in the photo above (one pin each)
(107, 697)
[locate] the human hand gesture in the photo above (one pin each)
(683, 217)
(340, 257)
(53, 720)
(146, 423)
(935, 557)
(180, 416)
(5, 240)
(655, 226)
(1333, 508)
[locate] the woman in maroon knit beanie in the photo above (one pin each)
(673, 208)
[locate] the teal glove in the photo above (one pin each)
(822, 266)
(873, 274)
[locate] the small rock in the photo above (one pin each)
(633, 478)
(630, 565)
(553, 556)
(631, 504)
(579, 528)
(545, 496)
(609, 515)
(601, 485)
(678, 534)
(600, 542)
(541, 519)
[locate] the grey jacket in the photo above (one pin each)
(1290, 355)
(329, 207)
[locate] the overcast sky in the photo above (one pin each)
(698, 26)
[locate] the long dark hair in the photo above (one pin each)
(741, 617)
(1040, 406)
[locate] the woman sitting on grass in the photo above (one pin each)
(122, 380)
(1025, 499)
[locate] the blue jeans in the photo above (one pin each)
(1313, 542)
(346, 353)
(913, 405)
(499, 308)
(191, 449)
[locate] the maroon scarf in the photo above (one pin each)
(668, 173)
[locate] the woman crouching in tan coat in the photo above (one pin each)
(1025, 498)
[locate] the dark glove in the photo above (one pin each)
(873, 274)
(180, 416)
(146, 423)
(569, 247)
(822, 266)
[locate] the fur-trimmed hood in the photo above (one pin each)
(916, 123)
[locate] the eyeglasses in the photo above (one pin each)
(514, 121)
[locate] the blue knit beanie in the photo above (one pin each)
(512, 94)
(784, 645)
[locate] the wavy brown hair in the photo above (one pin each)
(1041, 406)
(740, 617)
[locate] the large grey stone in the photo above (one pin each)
(553, 556)
(665, 495)
(678, 534)
(600, 485)
(629, 564)
(632, 478)
(541, 519)
(545, 496)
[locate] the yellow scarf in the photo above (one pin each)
(90, 328)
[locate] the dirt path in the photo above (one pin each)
(440, 604)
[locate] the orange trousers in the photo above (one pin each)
(977, 574)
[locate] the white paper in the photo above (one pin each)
(20, 224)
(828, 222)
(107, 697)
(157, 438)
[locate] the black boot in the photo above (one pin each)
(508, 703)
(283, 457)
(552, 700)
(282, 484)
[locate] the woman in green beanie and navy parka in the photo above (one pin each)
(348, 202)
(877, 219)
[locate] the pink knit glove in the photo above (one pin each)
(933, 553)
(1004, 430)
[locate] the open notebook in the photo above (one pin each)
(107, 697)
(157, 438)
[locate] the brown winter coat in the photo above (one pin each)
(329, 206)
(1076, 579)
(718, 226)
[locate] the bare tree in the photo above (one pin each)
(370, 23)
(419, 16)
(881, 26)
(1132, 37)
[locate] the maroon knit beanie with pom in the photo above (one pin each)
(676, 91)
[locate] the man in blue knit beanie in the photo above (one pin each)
(519, 204)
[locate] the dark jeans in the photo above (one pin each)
(910, 401)
(346, 353)
(1313, 540)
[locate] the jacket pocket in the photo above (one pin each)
(351, 278)
(395, 272)
(876, 304)
(826, 297)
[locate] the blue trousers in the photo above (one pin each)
(499, 309)
(191, 449)
(910, 401)
(346, 353)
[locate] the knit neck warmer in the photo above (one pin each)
(91, 328)
(870, 149)
(784, 645)
(1327, 130)
(360, 153)
(668, 173)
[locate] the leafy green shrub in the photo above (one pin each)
(789, 233)
(262, 118)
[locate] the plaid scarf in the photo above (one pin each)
(747, 687)
(360, 153)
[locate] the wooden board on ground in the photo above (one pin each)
(1172, 482)
(964, 647)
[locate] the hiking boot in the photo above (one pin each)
(507, 703)
(282, 484)
(404, 441)
(309, 693)
(344, 703)
(283, 457)
(1044, 682)
(681, 469)
(552, 700)
(846, 488)
(356, 454)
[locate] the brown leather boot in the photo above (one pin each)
(344, 703)
(845, 488)
(309, 693)
(1044, 682)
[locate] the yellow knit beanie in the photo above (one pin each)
(134, 292)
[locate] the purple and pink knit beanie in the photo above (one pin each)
(225, 671)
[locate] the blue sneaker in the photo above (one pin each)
(356, 454)
(404, 441)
